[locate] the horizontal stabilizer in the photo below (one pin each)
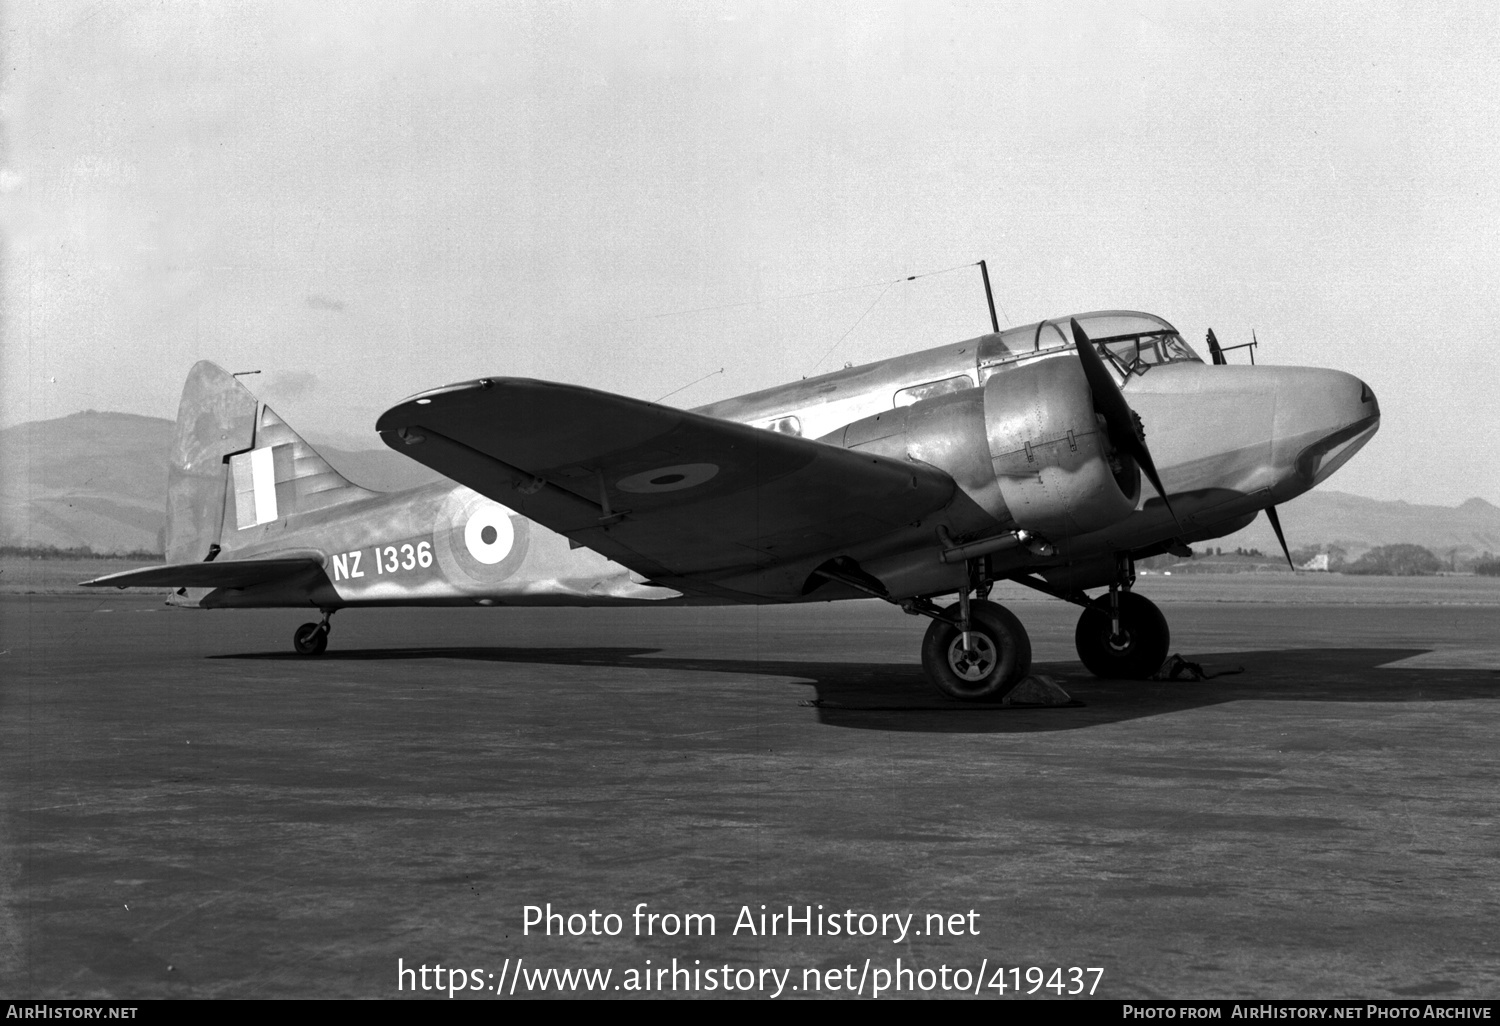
(234, 573)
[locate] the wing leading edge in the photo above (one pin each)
(675, 495)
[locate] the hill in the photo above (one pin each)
(100, 480)
(1324, 518)
(96, 479)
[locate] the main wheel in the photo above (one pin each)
(1139, 650)
(310, 639)
(997, 657)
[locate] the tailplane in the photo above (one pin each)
(238, 473)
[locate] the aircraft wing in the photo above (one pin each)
(671, 494)
(232, 573)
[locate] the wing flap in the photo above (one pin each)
(667, 492)
(234, 573)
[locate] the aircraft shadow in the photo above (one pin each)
(884, 696)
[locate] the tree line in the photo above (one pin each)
(76, 552)
(1402, 560)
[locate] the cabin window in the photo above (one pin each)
(916, 393)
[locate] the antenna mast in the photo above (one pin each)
(989, 297)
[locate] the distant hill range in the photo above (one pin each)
(99, 480)
(1322, 518)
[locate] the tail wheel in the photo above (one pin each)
(996, 658)
(311, 639)
(1136, 652)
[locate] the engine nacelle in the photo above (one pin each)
(1058, 472)
(1027, 448)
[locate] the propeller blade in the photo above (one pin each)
(1214, 350)
(1119, 418)
(1276, 526)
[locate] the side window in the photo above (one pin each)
(916, 393)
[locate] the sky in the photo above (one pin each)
(362, 201)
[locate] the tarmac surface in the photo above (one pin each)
(189, 810)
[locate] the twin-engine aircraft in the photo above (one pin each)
(1019, 455)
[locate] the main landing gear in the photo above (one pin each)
(984, 662)
(1122, 635)
(976, 650)
(311, 639)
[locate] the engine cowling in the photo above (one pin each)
(1028, 448)
(1058, 471)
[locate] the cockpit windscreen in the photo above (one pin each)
(1132, 343)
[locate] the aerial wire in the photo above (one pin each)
(887, 282)
(690, 384)
(897, 281)
(854, 325)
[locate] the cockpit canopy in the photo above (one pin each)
(1132, 343)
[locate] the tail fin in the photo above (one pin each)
(237, 472)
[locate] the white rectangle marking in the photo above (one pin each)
(263, 469)
(254, 476)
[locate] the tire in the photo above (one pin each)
(1138, 654)
(310, 639)
(999, 659)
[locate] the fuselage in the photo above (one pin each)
(1228, 441)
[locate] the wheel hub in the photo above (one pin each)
(975, 662)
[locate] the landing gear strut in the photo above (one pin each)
(976, 650)
(311, 639)
(1122, 635)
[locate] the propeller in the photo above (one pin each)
(1124, 426)
(1217, 352)
(1214, 350)
(1276, 526)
